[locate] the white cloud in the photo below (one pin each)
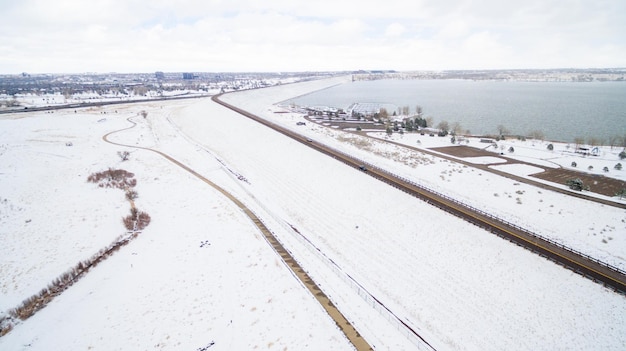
(453, 29)
(395, 30)
(216, 35)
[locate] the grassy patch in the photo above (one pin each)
(134, 223)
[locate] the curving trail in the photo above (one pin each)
(346, 327)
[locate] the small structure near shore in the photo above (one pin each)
(586, 151)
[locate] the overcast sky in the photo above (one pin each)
(73, 36)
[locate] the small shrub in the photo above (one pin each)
(113, 178)
(606, 169)
(590, 167)
(511, 149)
(5, 325)
(574, 164)
(622, 155)
(129, 222)
(143, 220)
(550, 147)
(136, 220)
(124, 155)
(575, 184)
(618, 167)
(131, 195)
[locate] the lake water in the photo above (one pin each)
(561, 110)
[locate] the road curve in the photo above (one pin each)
(343, 324)
(589, 267)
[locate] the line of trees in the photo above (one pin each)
(417, 120)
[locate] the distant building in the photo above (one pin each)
(159, 75)
(189, 76)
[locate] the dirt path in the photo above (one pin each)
(344, 325)
(607, 185)
(599, 184)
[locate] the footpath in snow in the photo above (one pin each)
(201, 273)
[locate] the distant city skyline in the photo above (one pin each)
(70, 36)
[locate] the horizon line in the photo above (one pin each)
(356, 71)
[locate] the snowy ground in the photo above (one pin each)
(459, 286)
(165, 290)
(58, 99)
(594, 229)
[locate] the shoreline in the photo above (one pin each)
(563, 111)
(301, 109)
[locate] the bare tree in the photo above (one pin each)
(383, 114)
(12, 103)
(537, 135)
(579, 141)
(67, 93)
(405, 111)
(614, 141)
(140, 90)
(429, 121)
(124, 155)
(418, 111)
(443, 126)
(456, 128)
(502, 130)
(593, 141)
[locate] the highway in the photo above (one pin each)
(94, 104)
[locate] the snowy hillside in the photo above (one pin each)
(202, 277)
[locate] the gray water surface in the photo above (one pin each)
(561, 110)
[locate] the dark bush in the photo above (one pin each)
(136, 220)
(113, 178)
(131, 195)
(575, 184)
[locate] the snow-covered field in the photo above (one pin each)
(202, 276)
(58, 99)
